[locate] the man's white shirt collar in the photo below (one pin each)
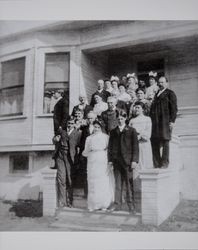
(161, 91)
(100, 90)
(121, 127)
(91, 128)
(70, 131)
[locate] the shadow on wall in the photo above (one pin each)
(14, 187)
(33, 192)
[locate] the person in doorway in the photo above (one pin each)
(123, 156)
(100, 176)
(163, 115)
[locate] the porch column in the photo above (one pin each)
(49, 192)
(161, 189)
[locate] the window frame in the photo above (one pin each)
(40, 76)
(13, 56)
(19, 172)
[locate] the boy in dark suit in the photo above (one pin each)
(123, 155)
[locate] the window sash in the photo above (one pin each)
(11, 101)
(12, 87)
(19, 163)
(57, 67)
(12, 73)
(56, 78)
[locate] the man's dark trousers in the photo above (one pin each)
(63, 179)
(160, 158)
(123, 174)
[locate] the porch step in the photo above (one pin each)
(75, 219)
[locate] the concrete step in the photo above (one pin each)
(76, 219)
(80, 202)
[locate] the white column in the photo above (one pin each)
(49, 192)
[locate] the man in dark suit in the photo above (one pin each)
(163, 115)
(109, 116)
(101, 92)
(67, 153)
(61, 113)
(123, 155)
(86, 131)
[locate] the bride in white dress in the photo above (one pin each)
(100, 176)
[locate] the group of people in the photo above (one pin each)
(126, 127)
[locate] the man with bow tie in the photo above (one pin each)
(163, 114)
(123, 155)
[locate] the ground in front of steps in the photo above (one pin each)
(183, 219)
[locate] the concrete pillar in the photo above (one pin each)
(49, 192)
(160, 189)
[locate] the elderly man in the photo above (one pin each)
(100, 92)
(109, 116)
(83, 106)
(163, 115)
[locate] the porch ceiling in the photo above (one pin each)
(144, 47)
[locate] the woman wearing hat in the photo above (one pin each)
(99, 175)
(153, 88)
(132, 82)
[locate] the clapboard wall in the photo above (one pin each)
(93, 68)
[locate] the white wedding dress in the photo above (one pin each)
(100, 176)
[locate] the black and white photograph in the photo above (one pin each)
(98, 125)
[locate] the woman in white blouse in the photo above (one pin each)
(143, 126)
(100, 106)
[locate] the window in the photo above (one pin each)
(19, 163)
(56, 78)
(12, 87)
(144, 67)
